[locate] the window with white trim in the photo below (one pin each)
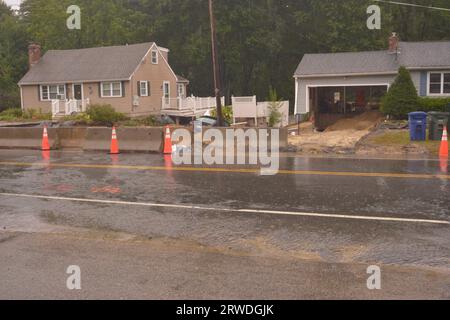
(439, 83)
(155, 57)
(166, 89)
(53, 92)
(111, 89)
(143, 88)
(181, 90)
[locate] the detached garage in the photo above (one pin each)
(342, 85)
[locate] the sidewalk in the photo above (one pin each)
(34, 266)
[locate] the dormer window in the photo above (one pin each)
(154, 56)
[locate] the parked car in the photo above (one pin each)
(208, 121)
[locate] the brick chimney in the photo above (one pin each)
(34, 54)
(165, 53)
(394, 43)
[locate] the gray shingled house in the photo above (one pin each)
(336, 85)
(135, 79)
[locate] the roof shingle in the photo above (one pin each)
(83, 65)
(412, 55)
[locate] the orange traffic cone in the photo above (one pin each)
(114, 159)
(167, 141)
(444, 164)
(443, 152)
(114, 142)
(45, 155)
(168, 162)
(45, 143)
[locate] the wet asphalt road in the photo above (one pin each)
(389, 191)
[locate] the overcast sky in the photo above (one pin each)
(12, 2)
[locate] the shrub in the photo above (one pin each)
(11, 114)
(402, 97)
(149, 121)
(227, 112)
(104, 115)
(16, 114)
(80, 118)
(33, 114)
(274, 108)
(428, 104)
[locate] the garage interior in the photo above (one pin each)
(331, 104)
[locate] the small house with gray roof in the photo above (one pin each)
(332, 86)
(136, 80)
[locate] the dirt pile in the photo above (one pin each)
(365, 121)
(342, 137)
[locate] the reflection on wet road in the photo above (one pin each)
(390, 189)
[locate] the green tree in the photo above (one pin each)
(13, 57)
(274, 108)
(402, 97)
(260, 41)
(103, 23)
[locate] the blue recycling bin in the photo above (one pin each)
(418, 126)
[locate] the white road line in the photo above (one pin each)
(285, 213)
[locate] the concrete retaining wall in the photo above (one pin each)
(88, 139)
(95, 139)
(71, 138)
(130, 139)
(26, 138)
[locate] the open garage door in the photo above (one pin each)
(332, 103)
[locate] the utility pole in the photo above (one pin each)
(215, 62)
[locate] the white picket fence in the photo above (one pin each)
(68, 107)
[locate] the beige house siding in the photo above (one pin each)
(91, 91)
(31, 99)
(155, 74)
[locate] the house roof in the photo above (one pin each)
(413, 55)
(182, 79)
(425, 54)
(83, 65)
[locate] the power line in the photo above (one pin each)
(413, 5)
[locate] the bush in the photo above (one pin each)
(149, 121)
(104, 115)
(16, 114)
(11, 114)
(402, 97)
(33, 114)
(428, 104)
(80, 118)
(227, 112)
(274, 108)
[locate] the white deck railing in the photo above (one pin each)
(68, 107)
(190, 103)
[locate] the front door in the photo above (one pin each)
(77, 92)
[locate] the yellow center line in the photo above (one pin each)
(228, 170)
